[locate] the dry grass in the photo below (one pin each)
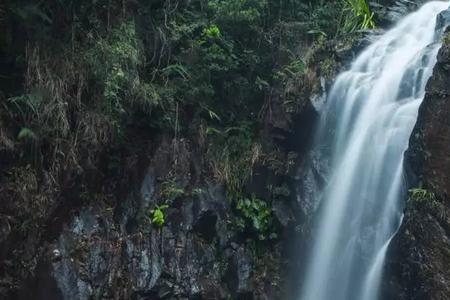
(60, 115)
(235, 171)
(22, 193)
(53, 83)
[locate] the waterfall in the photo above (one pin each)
(363, 132)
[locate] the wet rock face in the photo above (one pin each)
(117, 253)
(417, 265)
(389, 11)
(429, 145)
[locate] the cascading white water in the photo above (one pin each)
(364, 130)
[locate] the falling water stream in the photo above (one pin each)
(364, 130)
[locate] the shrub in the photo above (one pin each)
(294, 70)
(170, 190)
(420, 195)
(325, 17)
(114, 61)
(233, 153)
(255, 215)
(281, 191)
(157, 215)
(357, 15)
(235, 11)
(446, 38)
(212, 31)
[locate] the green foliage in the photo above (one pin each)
(218, 58)
(328, 67)
(419, 195)
(420, 198)
(176, 70)
(39, 113)
(446, 38)
(114, 62)
(26, 134)
(256, 216)
(157, 215)
(294, 70)
(238, 11)
(281, 191)
(325, 17)
(171, 190)
(212, 32)
(358, 15)
(197, 191)
(176, 67)
(27, 106)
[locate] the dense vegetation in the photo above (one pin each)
(82, 81)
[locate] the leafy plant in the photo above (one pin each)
(175, 70)
(255, 214)
(429, 200)
(248, 11)
(26, 134)
(293, 70)
(157, 215)
(323, 17)
(114, 62)
(421, 195)
(212, 31)
(170, 189)
(328, 67)
(197, 191)
(27, 106)
(281, 191)
(358, 15)
(446, 38)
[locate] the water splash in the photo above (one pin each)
(364, 130)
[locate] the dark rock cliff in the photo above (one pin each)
(109, 251)
(419, 258)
